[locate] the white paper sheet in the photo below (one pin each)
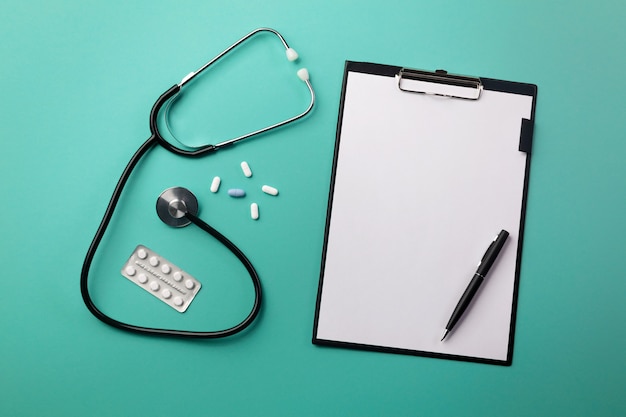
(423, 184)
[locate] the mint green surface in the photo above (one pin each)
(78, 80)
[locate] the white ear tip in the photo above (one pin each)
(292, 55)
(303, 74)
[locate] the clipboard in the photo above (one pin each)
(428, 168)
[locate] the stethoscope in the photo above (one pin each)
(178, 207)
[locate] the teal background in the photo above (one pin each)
(78, 79)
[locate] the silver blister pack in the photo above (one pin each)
(161, 278)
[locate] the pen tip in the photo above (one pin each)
(445, 334)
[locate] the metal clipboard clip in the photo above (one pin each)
(439, 83)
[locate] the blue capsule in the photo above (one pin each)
(236, 192)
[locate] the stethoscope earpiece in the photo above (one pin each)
(172, 95)
(174, 204)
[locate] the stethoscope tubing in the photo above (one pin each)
(108, 215)
(93, 247)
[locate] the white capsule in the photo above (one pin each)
(269, 190)
(254, 211)
(246, 169)
(215, 185)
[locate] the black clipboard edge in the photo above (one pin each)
(527, 129)
(526, 134)
(410, 352)
(370, 68)
(331, 192)
(348, 67)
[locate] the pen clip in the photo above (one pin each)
(493, 242)
(487, 251)
(492, 253)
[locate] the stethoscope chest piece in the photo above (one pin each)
(174, 203)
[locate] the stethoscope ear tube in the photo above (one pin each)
(172, 95)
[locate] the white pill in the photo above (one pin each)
(166, 293)
(254, 211)
(178, 301)
(166, 268)
(246, 169)
(142, 278)
(130, 270)
(269, 190)
(215, 185)
(178, 276)
(142, 254)
(189, 284)
(154, 261)
(154, 286)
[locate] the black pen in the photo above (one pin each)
(481, 272)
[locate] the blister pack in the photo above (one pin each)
(161, 278)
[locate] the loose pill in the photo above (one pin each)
(269, 190)
(246, 169)
(236, 192)
(254, 211)
(215, 185)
